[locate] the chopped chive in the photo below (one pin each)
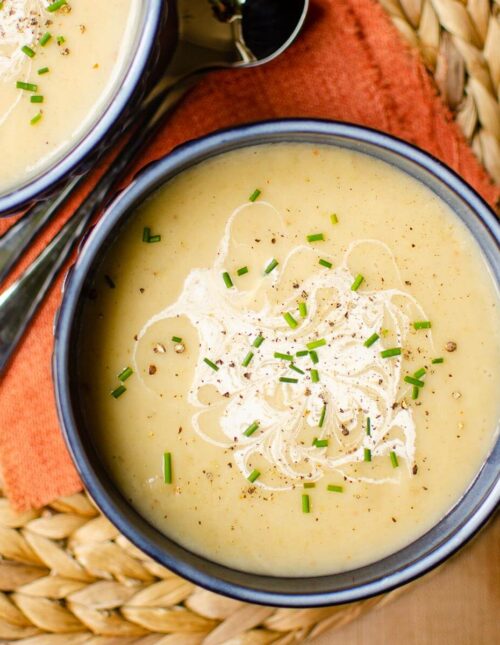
(29, 87)
(55, 5)
(43, 70)
(28, 51)
(357, 282)
(36, 118)
(285, 357)
(437, 361)
(247, 359)
(322, 416)
(36, 98)
(242, 271)
(394, 459)
(167, 467)
(422, 324)
(125, 374)
(255, 474)
(271, 266)
(309, 485)
(296, 369)
(314, 357)
(255, 195)
(45, 38)
(258, 341)
(415, 392)
(369, 341)
(333, 488)
(61, 40)
(290, 320)
(389, 353)
(320, 443)
(302, 309)
(286, 379)
(367, 454)
(306, 506)
(314, 376)
(176, 339)
(303, 352)
(368, 426)
(211, 364)
(316, 237)
(334, 219)
(325, 263)
(118, 391)
(251, 429)
(414, 381)
(148, 238)
(316, 343)
(419, 372)
(227, 279)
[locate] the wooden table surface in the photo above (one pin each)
(457, 605)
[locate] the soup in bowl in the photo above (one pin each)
(69, 71)
(277, 362)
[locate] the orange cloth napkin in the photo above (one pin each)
(349, 64)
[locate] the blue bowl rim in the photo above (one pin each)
(145, 183)
(17, 198)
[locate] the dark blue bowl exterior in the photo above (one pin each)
(459, 525)
(155, 41)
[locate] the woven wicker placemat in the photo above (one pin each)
(460, 43)
(68, 577)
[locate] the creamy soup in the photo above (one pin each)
(59, 64)
(290, 362)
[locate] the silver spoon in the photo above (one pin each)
(212, 34)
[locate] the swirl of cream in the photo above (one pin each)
(355, 382)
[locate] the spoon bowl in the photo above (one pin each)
(270, 26)
(232, 33)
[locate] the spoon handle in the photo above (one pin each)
(20, 301)
(16, 239)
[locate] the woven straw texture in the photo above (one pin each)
(460, 43)
(68, 577)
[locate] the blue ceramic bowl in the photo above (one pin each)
(458, 526)
(154, 42)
